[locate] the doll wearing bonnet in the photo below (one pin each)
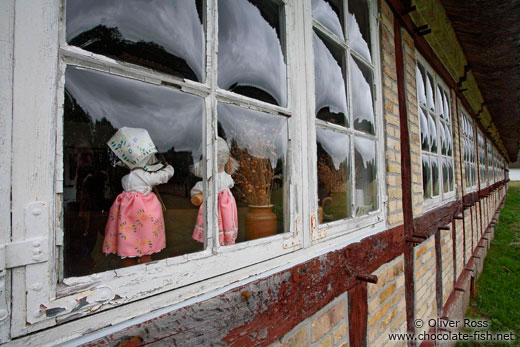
(226, 206)
(135, 226)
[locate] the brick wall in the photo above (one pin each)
(386, 303)
(328, 327)
(425, 282)
(391, 118)
(459, 246)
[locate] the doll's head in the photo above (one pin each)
(134, 148)
(225, 162)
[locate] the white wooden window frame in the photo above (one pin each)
(47, 303)
(443, 198)
(375, 220)
(472, 139)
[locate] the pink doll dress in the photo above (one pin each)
(135, 225)
(227, 212)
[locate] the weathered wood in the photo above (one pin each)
(357, 315)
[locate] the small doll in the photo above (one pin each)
(135, 226)
(227, 207)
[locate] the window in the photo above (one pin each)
(224, 121)
(482, 159)
(490, 173)
(468, 138)
(436, 136)
(217, 85)
(346, 118)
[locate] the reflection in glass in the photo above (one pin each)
(365, 197)
(429, 92)
(251, 58)
(425, 137)
(450, 140)
(444, 141)
(427, 176)
(450, 174)
(328, 13)
(440, 106)
(433, 133)
(167, 36)
(329, 84)
(419, 79)
(446, 106)
(359, 27)
(258, 141)
(333, 175)
(96, 105)
(445, 176)
(435, 175)
(362, 101)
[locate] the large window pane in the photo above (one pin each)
(425, 137)
(365, 197)
(433, 133)
(359, 27)
(96, 105)
(334, 182)
(329, 83)
(251, 58)
(435, 175)
(362, 100)
(427, 176)
(328, 13)
(167, 36)
(258, 142)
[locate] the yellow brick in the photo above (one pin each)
(390, 116)
(326, 343)
(394, 180)
(393, 168)
(386, 321)
(379, 314)
(399, 321)
(323, 324)
(398, 296)
(395, 193)
(297, 340)
(421, 251)
(395, 218)
(386, 293)
(340, 332)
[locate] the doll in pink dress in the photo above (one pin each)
(226, 205)
(135, 226)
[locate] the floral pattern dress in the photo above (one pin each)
(135, 225)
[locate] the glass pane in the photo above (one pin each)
(167, 36)
(429, 92)
(328, 13)
(419, 79)
(440, 106)
(96, 106)
(435, 175)
(446, 106)
(450, 140)
(359, 27)
(444, 140)
(425, 137)
(445, 176)
(251, 58)
(362, 101)
(258, 143)
(329, 83)
(427, 176)
(450, 173)
(433, 133)
(333, 175)
(365, 197)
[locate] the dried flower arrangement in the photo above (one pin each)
(335, 180)
(253, 181)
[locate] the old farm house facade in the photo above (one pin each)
(350, 156)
